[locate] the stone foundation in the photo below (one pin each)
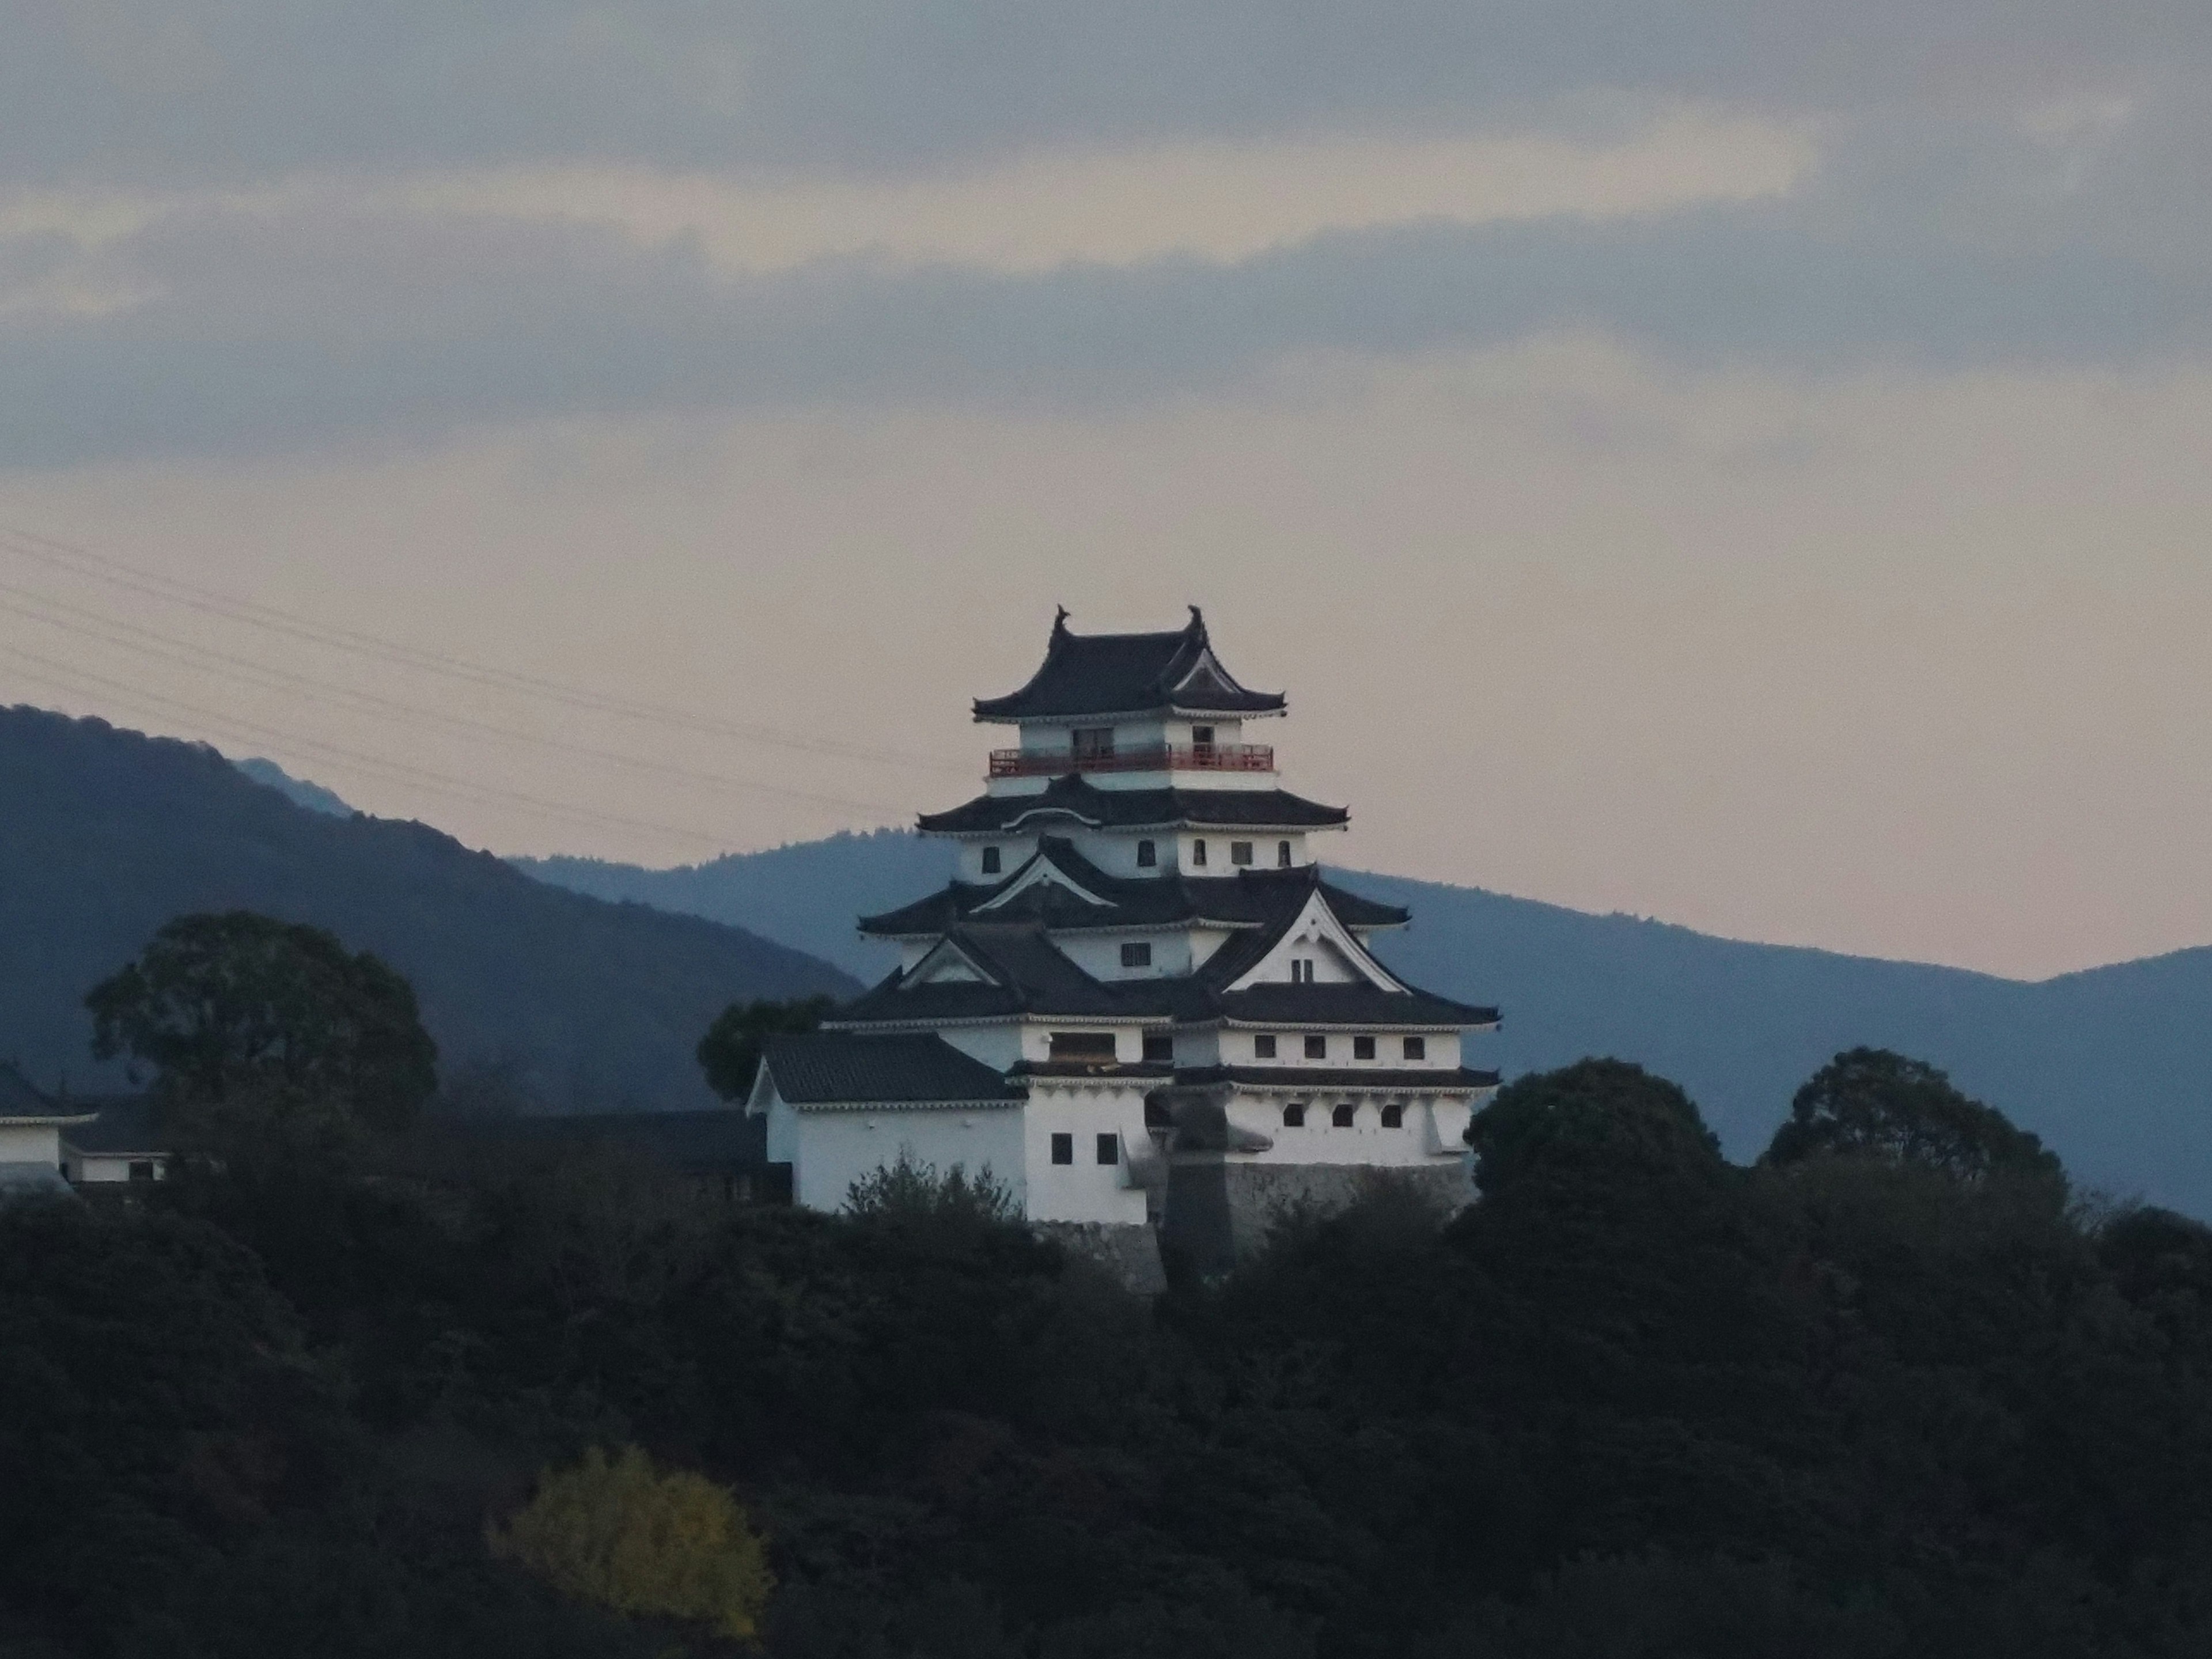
(1131, 1253)
(1220, 1211)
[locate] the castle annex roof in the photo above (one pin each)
(821, 1068)
(1095, 675)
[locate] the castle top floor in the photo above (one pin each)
(1131, 711)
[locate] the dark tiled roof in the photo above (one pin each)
(1127, 674)
(835, 1067)
(1412, 1079)
(127, 1123)
(719, 1141)
(1248, 898)
(1347, 1004)
(1075, 797)
(21, 1101)
(1027, 974)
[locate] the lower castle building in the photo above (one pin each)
(1139, 1003)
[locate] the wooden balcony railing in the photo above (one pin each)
(1198, 757)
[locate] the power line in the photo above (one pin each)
(83, 562)
(69, 678)
(164, 647)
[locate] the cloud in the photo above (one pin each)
(237, 226)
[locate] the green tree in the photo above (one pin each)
(1869, 1102)
(1595, 1112)
(730, 1053)
(239, 1006)
(906, 1191)
(619, 1533)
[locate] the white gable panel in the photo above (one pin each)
(1041, 870)
(1318, 937)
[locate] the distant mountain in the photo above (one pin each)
(807, 895)
(105, 834)
(2113, 1067)
(298, 791)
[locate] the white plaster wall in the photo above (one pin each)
(1036, 1037)
(1099, 955)
(1366, 1144)
(95, 1167)
(831, 1150)
(997, 1046)
(1239, 1047)
(1014, 851)
(31, 1143)
(1085, 1190)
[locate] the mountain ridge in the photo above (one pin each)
(2111, 1064)
(571, 1001)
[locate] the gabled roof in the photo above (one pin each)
(1075, 798)
(827, 1068)
(1247, 898)
(1027, 973)
(22, 1102)
(127, 1123)
(1128, 674)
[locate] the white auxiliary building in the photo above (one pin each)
(1139, 1001)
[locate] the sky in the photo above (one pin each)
(1745, 464)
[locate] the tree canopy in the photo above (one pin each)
(1869, 1102)
(1596, 1113)
(730, 1053)
(222, 1004)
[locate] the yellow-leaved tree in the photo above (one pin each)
(621, 1534)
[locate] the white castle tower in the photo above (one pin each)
(1139, 1001)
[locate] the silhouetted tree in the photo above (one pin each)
(730, 1052)
(1603, 1112)
(239, 1003)
(1869, 1102)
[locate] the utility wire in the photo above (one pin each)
(83, 562)
(69, 678)
(152, 643)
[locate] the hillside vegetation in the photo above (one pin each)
(106, 835)
(1637, 1403)
(2114, 1067)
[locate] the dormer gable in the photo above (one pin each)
(946, 964)
(1041, 871)
(1317, 934)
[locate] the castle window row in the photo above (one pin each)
(1345, 1115)
(1316, 1046)
(1108, 1148)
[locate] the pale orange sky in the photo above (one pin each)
(1909, 665)
(1739, 461)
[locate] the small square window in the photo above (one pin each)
(1136, 954)
(1109, 1149)
(1148, 854)
(1282, 855)
(1294, 1116)
(1317, 1047)
(1363, 1048)
(1202, 736)
(1417, 1048)
(1263, 1046)
(142, 1169)
(1342, 1116)
(990, 860)
(1159, 1048)
(1063, 1149)
(1394, 1115)
(1198, 854)
(1240, 852)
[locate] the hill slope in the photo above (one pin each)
(2112, 1066)
(106, 834)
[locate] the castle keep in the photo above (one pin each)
(1139, 1001)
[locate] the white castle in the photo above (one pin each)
(1138, 1002)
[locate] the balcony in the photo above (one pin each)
(1197, 757)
